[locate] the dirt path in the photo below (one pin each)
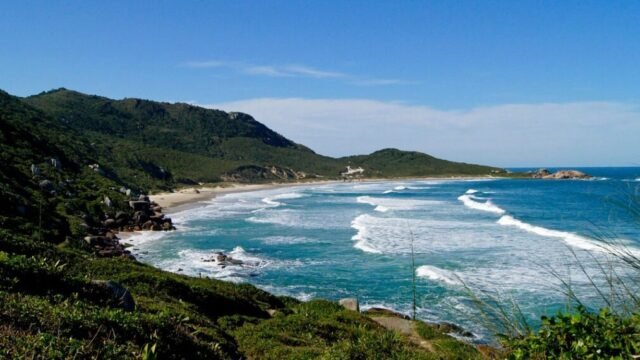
(406, 328)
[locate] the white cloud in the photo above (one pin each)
(547, 134)
(293, 70)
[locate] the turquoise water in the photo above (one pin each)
(499, 237)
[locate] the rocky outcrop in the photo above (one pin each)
(119, 294)
(559, 175)
(568, 174)
(223, 260)
(147, 215)
(350, 304)
(376, 311)
(252, 173)
(107, 245)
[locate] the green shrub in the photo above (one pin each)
(581, 335)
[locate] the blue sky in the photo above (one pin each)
(499, 82)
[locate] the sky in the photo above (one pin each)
(504, 83)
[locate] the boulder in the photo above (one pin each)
(139, 205)
(122, 215)
(156, 216)
(46, 185)
(110, 223)
(55, 162)
(107, 201)
(377, 311)
(449, 328)
(540, 173)
(148, 225)
(350, 304)
(119, 294)
(35, 170)
(96, 240)
(140, 217)
(569, 174)
(143, 198)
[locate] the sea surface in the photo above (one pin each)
(507, 240)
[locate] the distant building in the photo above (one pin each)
(350, 172)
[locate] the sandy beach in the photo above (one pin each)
(189, 196)
(186, 197)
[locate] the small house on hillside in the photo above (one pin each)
(351, 172)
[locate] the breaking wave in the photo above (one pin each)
(468, 201)
(437, 274)
(571, 239)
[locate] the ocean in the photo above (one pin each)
(511, 241)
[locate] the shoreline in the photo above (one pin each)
(188, 197)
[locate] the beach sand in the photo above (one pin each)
(184, 198)
(191, 196)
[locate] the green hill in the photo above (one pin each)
(192, 144)
(65, 159)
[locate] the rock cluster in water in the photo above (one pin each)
(561, 174)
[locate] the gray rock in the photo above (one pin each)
(139, 205)
(46, 185)
(107, 201)
(35, 170)
(118, 293)
(55, 162)
(350, 304)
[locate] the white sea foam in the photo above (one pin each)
(471, 191)
(401, 188)
(488, 206)
(569, 238)
(437, 274)
(272, 200)
(201, 263)
(362, 237)
(287, 240)
(386, 204)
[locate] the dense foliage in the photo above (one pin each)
(581, 335)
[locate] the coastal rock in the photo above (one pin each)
(55, 162)
(559, 175)
(139, 205)
(147, 225)
(224, 260)
(540, 173)
(119, 294)
(376, 311)
(107, 201)
(350, 304)
(35, 170)
(109, 223)
(568, 174)
(46, 185)
(449, 328)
